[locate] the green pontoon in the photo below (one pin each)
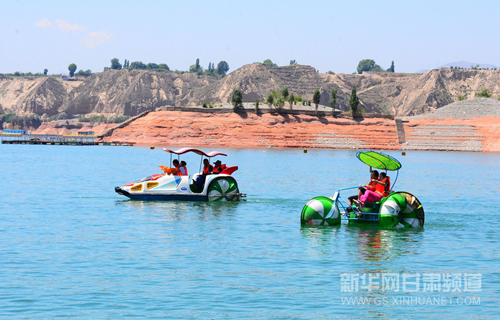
(398, 209)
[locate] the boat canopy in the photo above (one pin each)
(197, 151)
(378, 160)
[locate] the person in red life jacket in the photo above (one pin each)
(180, 169)
(207, 169)
(383, 185)
(371, 186)
(219, 167)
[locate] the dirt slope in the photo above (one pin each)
(126, 92)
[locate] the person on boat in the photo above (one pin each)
(207, 169)
(218, 167)
(371, 186)
(180, 168)
(380, 190)
(383, 185)
(365, 196)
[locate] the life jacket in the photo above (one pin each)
(387, 188)
(371, 186)
(219, 169)
(379, 188)
(180, 173)
(207, 170)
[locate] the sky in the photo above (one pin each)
(328, 35)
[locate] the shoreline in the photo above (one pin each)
(275, 131)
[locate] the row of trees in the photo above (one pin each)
(221, 69)
(72, 68)
(476, 67)
(279, 98)
(370, 65)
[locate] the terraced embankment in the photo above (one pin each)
(231, 130)
(469, 125)
(452, 128)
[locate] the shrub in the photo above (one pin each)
(237, 98)
(460, 98)
(485, 93)
(204, 105)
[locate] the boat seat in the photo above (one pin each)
(371, 207)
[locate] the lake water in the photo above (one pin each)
(70, 247)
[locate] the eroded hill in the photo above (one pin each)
(124, 92)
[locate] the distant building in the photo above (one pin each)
(85, 133)
(14, 131)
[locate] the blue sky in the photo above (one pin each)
(328, 35)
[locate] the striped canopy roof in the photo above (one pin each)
(197, 151)
(378, 160)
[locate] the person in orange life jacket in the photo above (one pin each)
(207, 169)
(219, 167)
(381, 190)
(383, 185)
(371, 186)
(180, 169)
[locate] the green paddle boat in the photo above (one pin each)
(398, 209)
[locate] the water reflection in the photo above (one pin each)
(373, 244)
(182, 210)
(321, 240)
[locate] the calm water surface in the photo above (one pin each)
(70, 247)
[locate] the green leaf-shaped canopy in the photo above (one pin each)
(378, 160)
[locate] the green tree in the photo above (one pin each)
(353, 101)
(163, 66)
(280, 102)
(257, 102)
(268, 62)
(45, 71)
(333, 98)
(85, 73)
(485, 93)
(291, 100)
(126, 64)
(115, 64)
(285, 92)
(368, 65)
(237, 98)
(153, 66)
(293, 62)
(222, 68)
(270, 99)
(72, 69)
(391, 68)
(365, 65)
(138, 65)
(197, 65)
(316, 98)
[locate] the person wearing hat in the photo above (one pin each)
(218, 167)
